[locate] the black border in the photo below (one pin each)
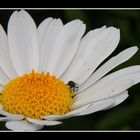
(69, 4)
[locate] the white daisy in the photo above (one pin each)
(48, 73)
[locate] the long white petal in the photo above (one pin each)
(68, 115)
(98, 106)
(82, 47)
(48, 31)
(3, 78)
(13, 118)
(131, 73)
(5, 60)
(65, 47)
(118, 99)
(44, 122)
(89, 36)
(53, 117)
(113, 89)
(22, 126)
(23, 42)
(89, 57)
(43, 27)
(92, 107)
(10, 116)
(110, 82)
(108, 66)
(104, 104)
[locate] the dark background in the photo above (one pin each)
(125, 116)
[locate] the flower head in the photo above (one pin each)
(50, 73)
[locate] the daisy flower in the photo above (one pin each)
(51, 73)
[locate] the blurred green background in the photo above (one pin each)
(125, 116)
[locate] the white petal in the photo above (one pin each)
(9, 116)
(3, 78)
(13, 118)
(93, 107)
(111, 81)
(65, 47)
(129, 73)
(5, 60)
(23, 42)
(89, 36)
(70, 114)
(104, 104)
(113, 89)
(108, 66)
(89, 57)
(22, 126)
(61, 117)
(97, 106)
(53, 117)
(82, 47)
(118, 99)
(44, 122)
(47, 39)
(3, 119)
(43, 27)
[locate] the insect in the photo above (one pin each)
(73, 86)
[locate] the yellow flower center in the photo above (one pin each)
(36, 95)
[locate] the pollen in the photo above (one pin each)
(36, 95)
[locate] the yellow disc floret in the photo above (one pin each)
(35, 95)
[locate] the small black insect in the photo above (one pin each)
(73, 86)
